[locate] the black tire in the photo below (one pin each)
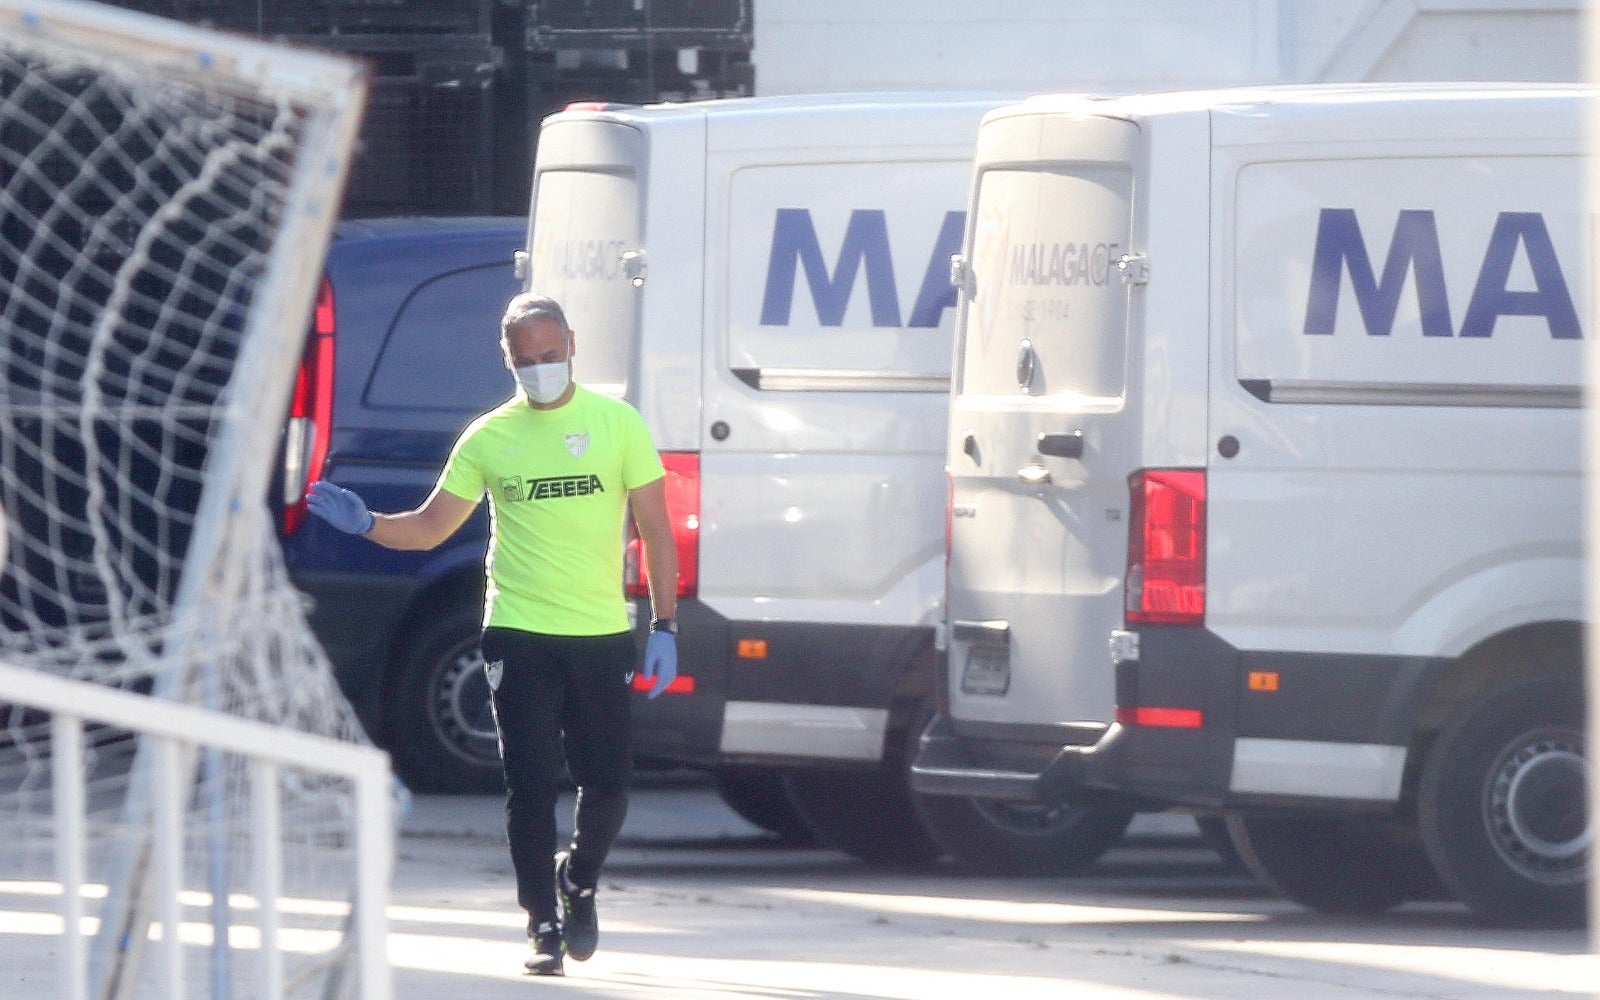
(757, 795)
(866, 814)
(1013, 838)
(1501, 806)
(1347, 865)
(438, 726)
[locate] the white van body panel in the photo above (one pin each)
(817, 732)
(825, 502)
(1168, 380)
(1405, 441)
(1318, 769)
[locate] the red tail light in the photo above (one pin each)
(681, 684)
(305, 445)
(1166, 718)
(1166, 582)
(683, 509)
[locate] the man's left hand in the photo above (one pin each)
(660, 661)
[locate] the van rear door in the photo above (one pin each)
(584, 246)
(1040, 437)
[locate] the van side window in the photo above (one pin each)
(443, 352)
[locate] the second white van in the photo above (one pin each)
(1264, 452)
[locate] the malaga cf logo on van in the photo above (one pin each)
(1414, 249)
(1062, 264)
(795, 247)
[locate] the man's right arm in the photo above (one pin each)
(437, 519)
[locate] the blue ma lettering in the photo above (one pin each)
(795, 246)
(1414, 248)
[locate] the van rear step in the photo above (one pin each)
(944, 767)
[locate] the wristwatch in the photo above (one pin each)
(668, 625)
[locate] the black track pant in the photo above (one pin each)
(561, 696)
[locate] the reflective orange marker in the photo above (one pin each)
(1263, 680)
(752, 649)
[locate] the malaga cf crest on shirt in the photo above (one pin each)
(577, 443)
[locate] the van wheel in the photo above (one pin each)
(757, 795)
(1014, 838)
(1347, 865)
(990, 837)
(1501, 806)
(866, 814)
(437, 723)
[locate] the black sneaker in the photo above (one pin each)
(545, 947)
(577, 910)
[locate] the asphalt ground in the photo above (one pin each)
(696, 903)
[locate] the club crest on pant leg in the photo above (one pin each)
(493, 671)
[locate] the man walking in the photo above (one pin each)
(561, 466)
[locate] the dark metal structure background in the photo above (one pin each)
(460, 86)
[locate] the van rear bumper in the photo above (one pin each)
(1345, 721)
(945, 765)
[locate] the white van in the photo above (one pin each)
(767, 280)
(1275, 393)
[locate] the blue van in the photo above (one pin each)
(403, 353)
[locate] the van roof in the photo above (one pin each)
(1289, 97)
(798, 104)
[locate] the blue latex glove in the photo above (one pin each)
(660, 661)
(339, 507)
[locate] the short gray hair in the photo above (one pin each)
(529, 305)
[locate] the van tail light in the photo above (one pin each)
(1166, 582)
(681, 684)
(683, 509)
(1162, 718)
(305, 445)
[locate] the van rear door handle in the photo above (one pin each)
(1034, 475)
(1061, 445)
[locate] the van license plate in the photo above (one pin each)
(988, 670)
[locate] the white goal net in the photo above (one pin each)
(166, 195)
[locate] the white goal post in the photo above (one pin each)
(174, 728)
(166, 198)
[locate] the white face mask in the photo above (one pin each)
(545, 383)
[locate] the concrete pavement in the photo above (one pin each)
(696, 903)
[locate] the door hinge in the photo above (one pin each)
(1135, 268)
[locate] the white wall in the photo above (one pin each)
(804, 46)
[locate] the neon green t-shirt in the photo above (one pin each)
(558, 483)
